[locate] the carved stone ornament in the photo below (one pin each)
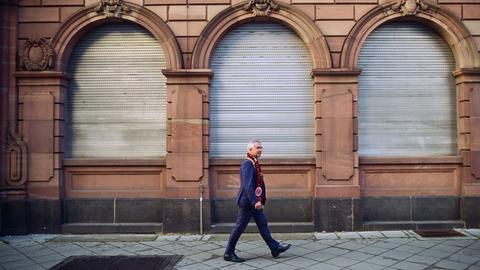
(16, 159)
(261, 7)
(37, 55)
(407, 7)
(112, 8)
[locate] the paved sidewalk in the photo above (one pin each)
(326, 251)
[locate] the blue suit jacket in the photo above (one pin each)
(248, 182)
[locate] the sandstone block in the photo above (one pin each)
(62, 2)
(186, 103)
(165, 2)
(161, 11)
(39, 14)
(475, 133)
(38, 107)
(475, 156)
(337, 165)
(335, 27)
(39, 136)
(473, 26)
(337, 134)
(29, 2)
(464, 109)
(186, 137)
(191, 28)
(336, 60)
(185, 166)
(213, 10)
(312, 1)
(336, 12)
(187, 43)
(361, 10)
(337, 103)
(455, 10)
(456, 1)
(40, 167)
(37, 30)
(356, 1)
(475, 102)
(191, 12)
(209, 1)
(335, 44)
(65, 12)
(308, 9)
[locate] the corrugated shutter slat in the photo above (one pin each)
(406, 93)
(261, 89)
(117, 95)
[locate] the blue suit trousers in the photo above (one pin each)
(243, 217)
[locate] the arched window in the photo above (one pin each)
(261, 89)
(117, 95)
(407, 104)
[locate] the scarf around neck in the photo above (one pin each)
(258, 189)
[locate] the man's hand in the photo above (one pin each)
(258, 205)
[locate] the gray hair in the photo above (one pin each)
(252, 143)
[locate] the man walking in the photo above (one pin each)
(251, 200)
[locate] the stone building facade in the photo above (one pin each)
(59, 174)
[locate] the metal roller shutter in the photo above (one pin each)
(261, 89)
(407, 104)
(117, 95)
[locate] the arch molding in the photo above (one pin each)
(74, 28)
(286, 15)
(453, 31)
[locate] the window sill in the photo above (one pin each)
(410, 160)
(264, 161)
(76, 162)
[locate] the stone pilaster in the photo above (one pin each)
(41, 121)
(337, 186)
(187, 146)
(468, 96)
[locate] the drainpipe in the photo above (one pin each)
(201, 209)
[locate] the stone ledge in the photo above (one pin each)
(106, 228)
(275, 227)
(413, 225)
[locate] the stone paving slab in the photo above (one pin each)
(395, 234)
(326, 236)
(349, 235)
(475, 232)
(103, 238)
(342, 250)
(190, 237)
(371, 235)
(168, 237)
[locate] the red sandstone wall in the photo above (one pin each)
(187, 19)
(335, 18)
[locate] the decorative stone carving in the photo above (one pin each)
(16, 158)
(112, 8)
(261, 7)
(37, 55)
(407, 7)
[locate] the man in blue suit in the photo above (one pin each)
(251, 200)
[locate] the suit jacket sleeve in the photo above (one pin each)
(248, 178)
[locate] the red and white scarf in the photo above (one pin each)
(258, 189)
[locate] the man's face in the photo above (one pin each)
(256, 150)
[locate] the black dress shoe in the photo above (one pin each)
(281, 248)
(232, 257)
